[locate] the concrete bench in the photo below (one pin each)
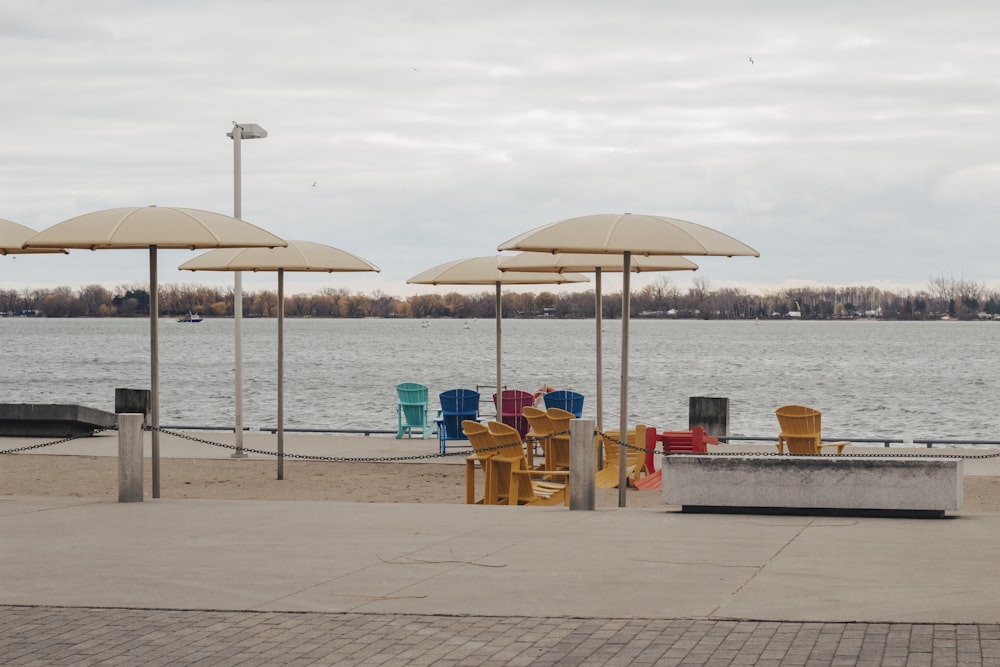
(813, 484)
(51, 420)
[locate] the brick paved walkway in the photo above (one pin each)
(81, 636)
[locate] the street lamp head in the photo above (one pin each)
(248, 131)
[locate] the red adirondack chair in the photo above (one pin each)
(673, 442)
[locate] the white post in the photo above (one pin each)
(237, 135)
(499, 310)
(154, 369)
(623, 420)
(599, 319)
(281, 374)
(582, 493)
(130, 458)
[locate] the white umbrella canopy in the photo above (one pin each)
(486, 271)
(139, 228)
(597, 263)
(153, 227)
(296, 256)
(618, 233)
(626, 234)
(13, 236)
(587, 262)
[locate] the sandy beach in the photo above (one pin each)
(256, 479)
(236, 479)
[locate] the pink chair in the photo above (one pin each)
(515, 400)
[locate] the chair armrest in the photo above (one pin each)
(839, 445)
(544, 473)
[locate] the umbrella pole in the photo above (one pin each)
(499, 306)
(599, 319)
(281, 374)
(154, 370)
(623, 419)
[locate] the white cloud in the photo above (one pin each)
(858, 147)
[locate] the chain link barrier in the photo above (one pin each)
(527, 442)
(71, 438)
(885, 455)
(342, 459)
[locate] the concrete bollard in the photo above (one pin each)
(130, 458)
(710, 413)
(582, 463)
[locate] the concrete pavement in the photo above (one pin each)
(246, 582)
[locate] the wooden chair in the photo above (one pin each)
(674, 442)
(635, 460)
(557, 454)
(570, 401)
(412, 411)
(800, 431)
(513, 401)
(483, 451)
(677, 442)
(514, 480)
(540, 430)
(457, 405)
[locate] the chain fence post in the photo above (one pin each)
(582, 463)
(130, 457)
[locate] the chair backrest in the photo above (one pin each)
(411, 393)
(565, 400)
(539, 421)
(678, 442)
(800, 428)
(611, 446)
(507, 435)
(514, 400)
(479, 437)
(460, 401)
(559, 418)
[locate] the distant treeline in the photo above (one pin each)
(942, 298)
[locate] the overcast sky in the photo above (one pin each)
(861, 146)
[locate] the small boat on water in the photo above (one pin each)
(190, 317)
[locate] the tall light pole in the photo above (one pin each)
(240, 132)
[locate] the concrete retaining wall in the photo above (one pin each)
(51, 420)
(919, 485)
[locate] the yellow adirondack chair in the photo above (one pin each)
(483, 451)
(539, 432)
(800, 431)
(557, 455)
(635, 460)
(514, 478)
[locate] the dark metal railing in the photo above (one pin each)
(885, 442)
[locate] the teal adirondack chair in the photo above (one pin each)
(412, 411)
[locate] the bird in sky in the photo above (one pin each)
(314, 183)
(751, 60)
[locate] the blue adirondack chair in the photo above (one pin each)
(570, 401)
(412, 411)
(457, 405)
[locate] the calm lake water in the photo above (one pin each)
(890, 379)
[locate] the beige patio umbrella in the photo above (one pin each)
(627, 234)
(586, 263)
(486, 271)
(153, 227)
(296, 256)
(13, 236)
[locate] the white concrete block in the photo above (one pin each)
(814, 482)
